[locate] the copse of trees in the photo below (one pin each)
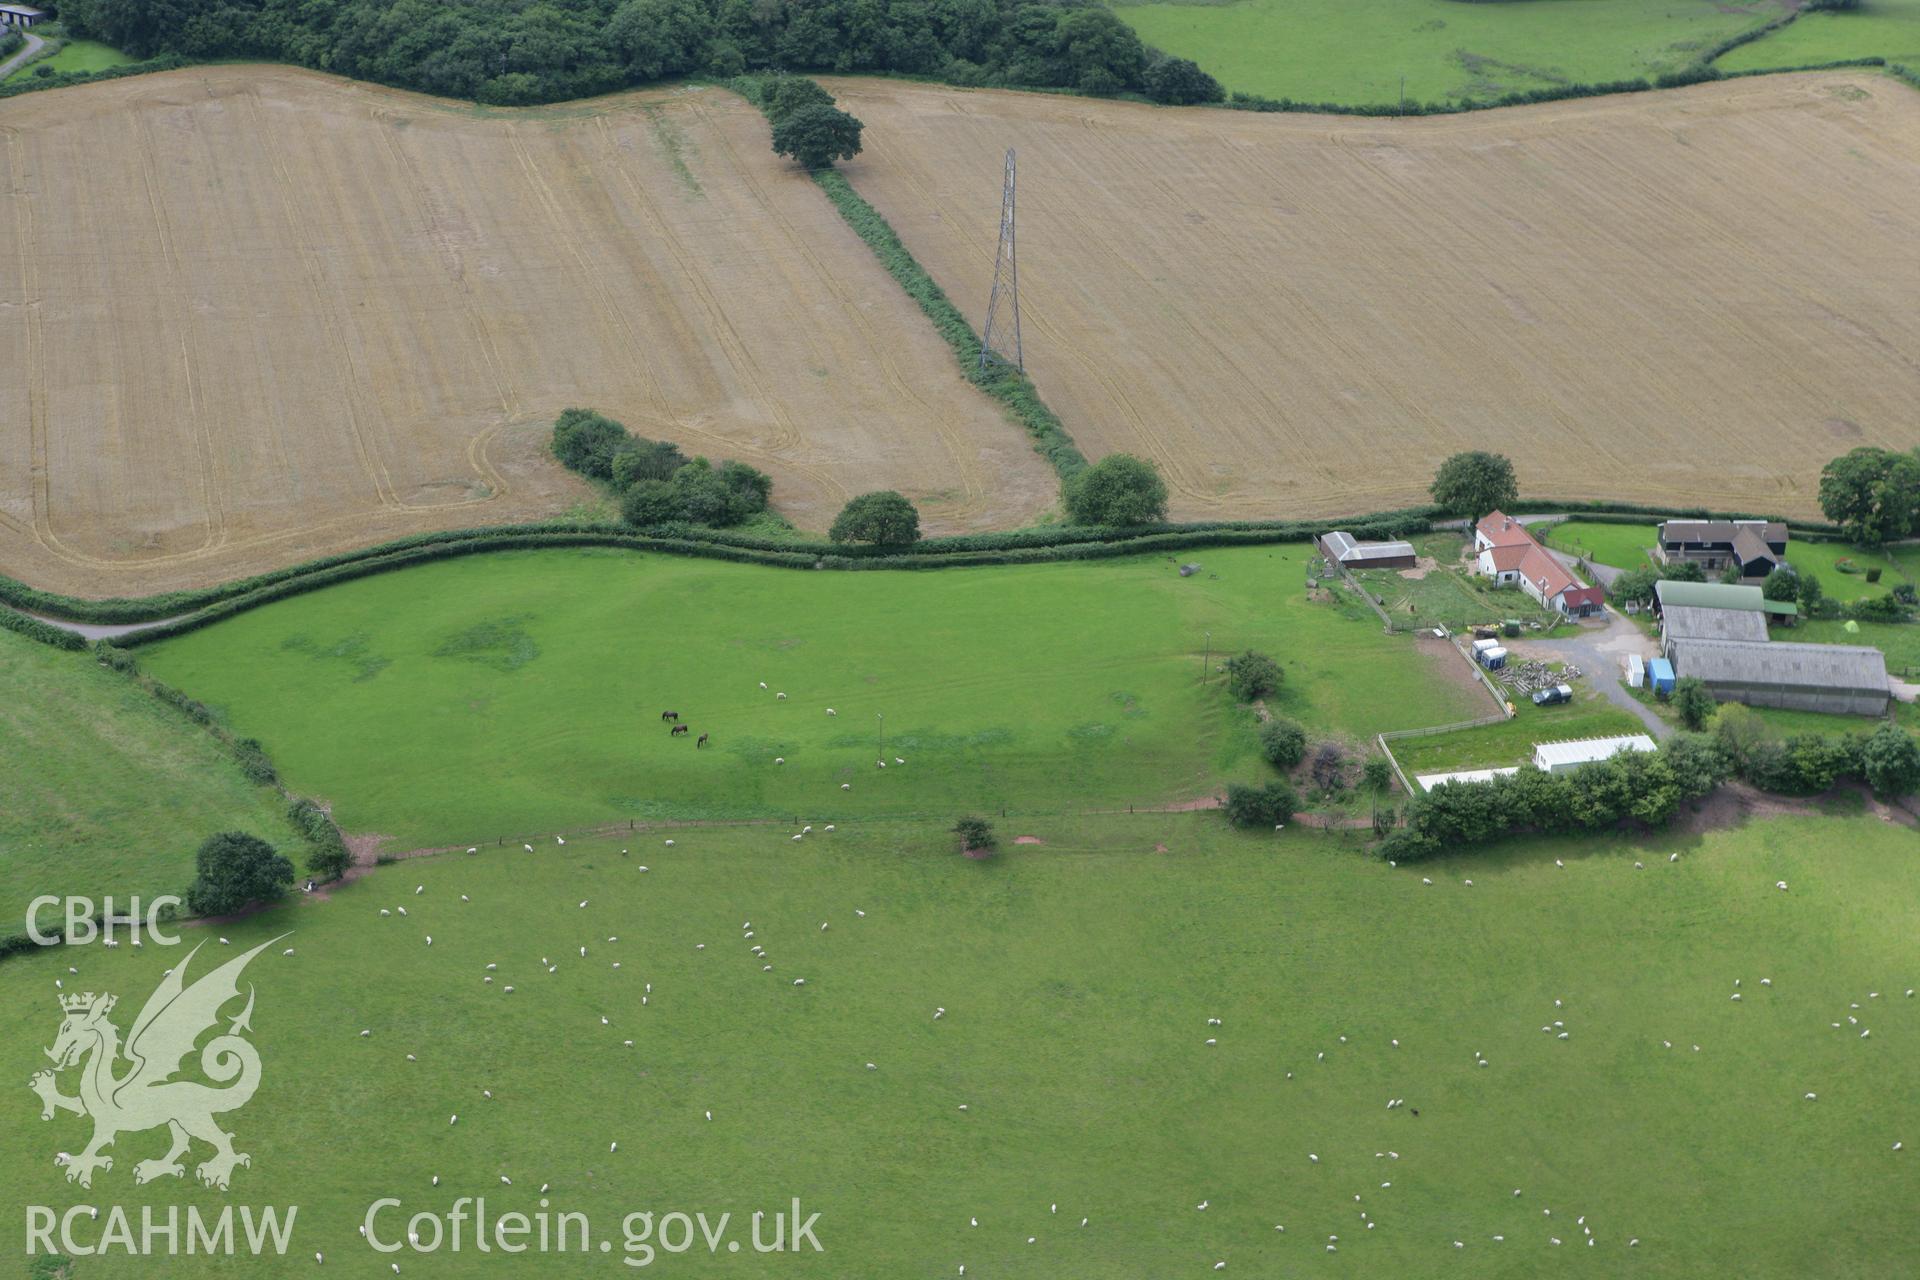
(1472, 484)
(1118, 490)
(657, 484)
(511, 52)
(884, 518)
(1872, 494)
(233, 869)
(807, 125)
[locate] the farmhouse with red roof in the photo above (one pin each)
(1508, 554)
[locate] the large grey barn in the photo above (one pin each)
(1835, 678)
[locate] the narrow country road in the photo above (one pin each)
(27, 52)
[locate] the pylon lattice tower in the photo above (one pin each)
(1000, 339)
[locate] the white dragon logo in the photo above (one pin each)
(147, 1096)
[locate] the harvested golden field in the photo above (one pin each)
(252, 314)
(1687, 297)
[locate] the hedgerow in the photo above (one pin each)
(194, 609)
(63, 79)
(34, 629)
(1010, 386)
(1695, 73)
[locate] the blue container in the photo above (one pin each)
(1660, 675)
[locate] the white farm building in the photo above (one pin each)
(1558, 757)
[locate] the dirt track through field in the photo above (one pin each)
(1687, 297)
(250, 315)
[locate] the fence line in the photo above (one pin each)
(1398, 772)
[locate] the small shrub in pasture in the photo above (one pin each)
(1890, 759)
(1284, 743)
(254, 761)
(1693, 702)
(1252, 675)
(976, 835)
(1268, 805)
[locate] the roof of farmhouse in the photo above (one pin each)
(1346, 547)
(1721, 530)
(1814, 666)
(25, 10)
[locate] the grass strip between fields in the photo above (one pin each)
(1010, 386)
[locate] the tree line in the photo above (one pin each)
(1649, 787)
(512, 52)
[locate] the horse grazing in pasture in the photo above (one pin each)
(677, 730)
(669, 715)
(702, 741)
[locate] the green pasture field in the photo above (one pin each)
(1625, 546)
(1900, 641)
(76, 55)
(521, 692)
(1887, 29)
(103, 789)
(1620, 546)
(1078, 977)
(1511, 742)
(1340, 52)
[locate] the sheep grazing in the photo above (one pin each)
(832, 712)
(781, 696)
(527, 847)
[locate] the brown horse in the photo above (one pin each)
(669, 715)
(702, 740)
(677, 730)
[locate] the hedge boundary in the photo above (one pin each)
(66, 79)
(1696, 73)
(1049, 544)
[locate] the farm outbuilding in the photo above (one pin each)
(20, 16)
(1558, 757)
(1838, 679)
(1349, 552)
(1756, 547)
(1693, 622)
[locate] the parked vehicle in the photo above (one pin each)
(1553, 693)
